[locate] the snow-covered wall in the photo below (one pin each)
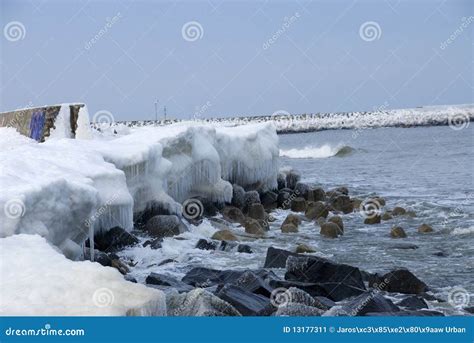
(68, 189)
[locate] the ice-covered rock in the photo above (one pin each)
(37, 280)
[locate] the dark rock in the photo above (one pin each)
(114, 239)
(206, 277)
(413, 303)
(269, 200)
(247, 303)
(281, 180)
(402, 246)
(342, 203)
(338, 291)
(198, 302)
(298, 310)
(403, 281)
(154, 208)
(469, 309)
(292, 177)
(153, 243)
(167, 281)
(244, 248)
(387, 216)
(303, 249)
(130, 278)
(120, 266)
(316, 194)
(233, 214)
(341, 190)
(99, 257)
(209, 208)
(284, 199)
(369, 302)
(166, 261)
(313, 289)
(251, 197)
(319, 270)
(397, 232)
(276, 258)
(238, 196)
(330, 230)
(441, 254)
(253, 283)
(165, 226)
(227, 246)
(398, 211)
(257, 211)
(298, 204)
(302, 190)
(316, 210)
(373, 219)
(204, 244)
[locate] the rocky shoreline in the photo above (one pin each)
(290, 283)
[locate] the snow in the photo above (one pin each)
(68, 189)
(37, 280)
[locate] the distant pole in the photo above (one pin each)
(156, 112)
(164, 112)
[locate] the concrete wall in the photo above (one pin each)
(38, 122)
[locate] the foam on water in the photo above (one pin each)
(324, 151)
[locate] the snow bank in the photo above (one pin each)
(68, 189)
(37, 280)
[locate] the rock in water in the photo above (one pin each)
(281, 180)
(238, 196)
(298, 204)
(251, 197)
(276, 258)
(269, 200)
(292, 177)
(302, 190)
(402, 281)
(387, 216)
(247, 303)
(303, 248)
(330, 230)
(244, 248)
(198, 302)
(253, 227)
(292, 219)
(204, 244)
(373, 219)
(316, 194)
(256, 211)
(369, 303)
(413, 303)
(166, 282)
(165, 226)
(289, 228)
(397, 232)
(398, 211)
(233, 214)
(425, 228)
(316, 210)
(114, 239)
(320, 270)
(224, 235)
(284, 199)
(342, 203)
(338, 221)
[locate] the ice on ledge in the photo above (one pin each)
(68, 189)
(37, 280)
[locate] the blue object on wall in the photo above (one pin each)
(36, 125)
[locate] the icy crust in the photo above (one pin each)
(37, 280)
(68, 189)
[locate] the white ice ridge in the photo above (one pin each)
(37, 280)
(67, 189)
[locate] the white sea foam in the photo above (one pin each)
(463, 231)
(323, 151)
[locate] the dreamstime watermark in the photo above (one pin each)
(464, 25)
(377, 288)
(17, 120)
(370, 208)
(192, 209)
(108, 25)
(14, 208)
(103, 119)
(100, 211)
(458, 121)
(459, 297)
(14, 31)
(370, 31)
(280, 297)
(287, 22)
(200, 110)
(103, 297)
(45, 331)
(282, 119)
(192, 31)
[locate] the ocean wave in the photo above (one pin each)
(323, 151)
(465, 231)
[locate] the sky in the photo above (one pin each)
(230, 58)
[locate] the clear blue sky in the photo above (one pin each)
(318, 63)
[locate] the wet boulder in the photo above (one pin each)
(281, 180)
(284, 199)
(114, 239)
(153, 243)
(387, 216)
(224, 235)
(289, 228)
(370, 302)
(251, 197)
(99, 257)
(398, 211)
(233, 214)
(373, 219)
(316, 194)
(302, 190)
(269, 200)
(204, 244)
(338, 221)
(253, 227)
(247, 303)
(292, 219)
(402, 281)
(256, 211)
(276, 258)
(292, 178)
(254, 283)
(425, 228)
(298, 204)
(413, 303)
(397, 232)
(303, 248)
(238, 196)
(244, 248)
(330, 230)
(342, 202)
(316, 210)
(165, 281)
(165, 226)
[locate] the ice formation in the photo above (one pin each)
(37, 280)
(68, 189)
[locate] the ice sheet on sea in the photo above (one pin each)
(37, 280)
